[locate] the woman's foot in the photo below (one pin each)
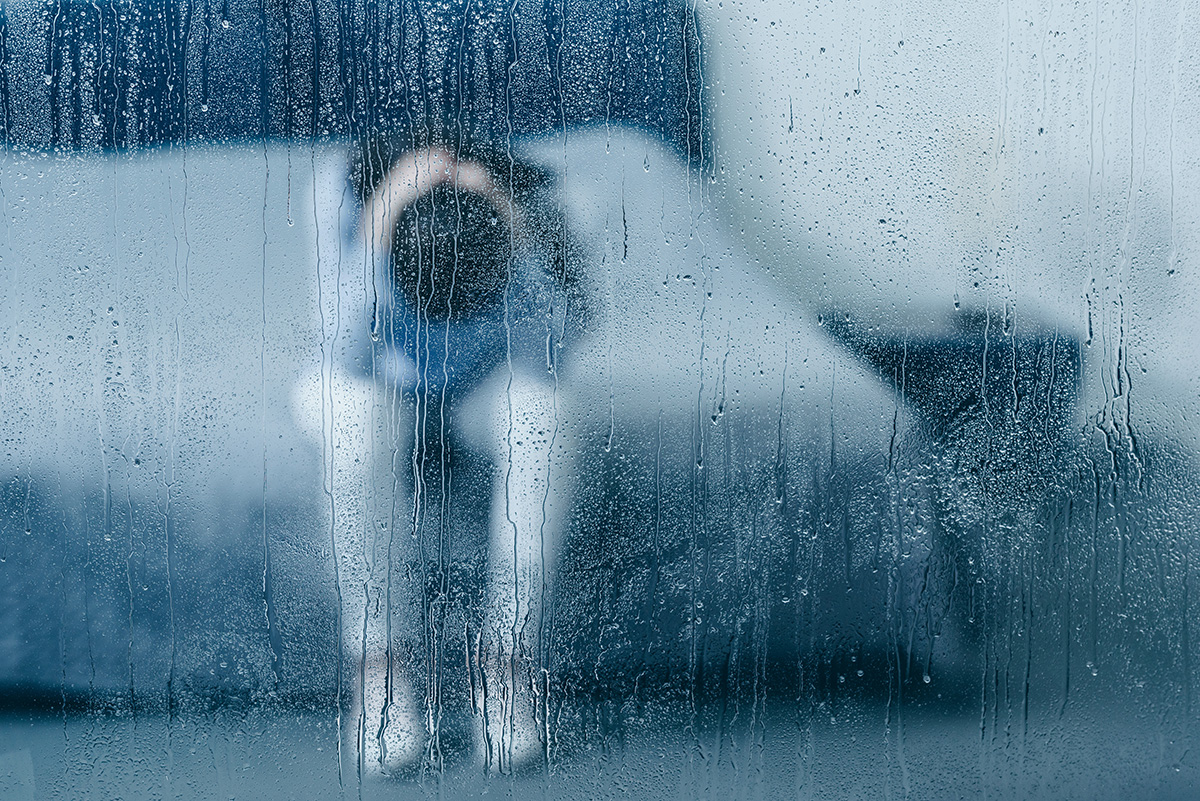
(385, 729)
(510, 733)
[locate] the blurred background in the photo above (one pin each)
(993, 209)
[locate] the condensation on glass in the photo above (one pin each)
(629, 397)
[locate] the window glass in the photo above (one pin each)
(625, 397)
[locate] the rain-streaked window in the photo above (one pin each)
(592, 399)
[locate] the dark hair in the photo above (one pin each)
(450, 254)
(451, 249)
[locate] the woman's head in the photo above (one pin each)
(454, 223)
(450, 226)
(451, 251)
